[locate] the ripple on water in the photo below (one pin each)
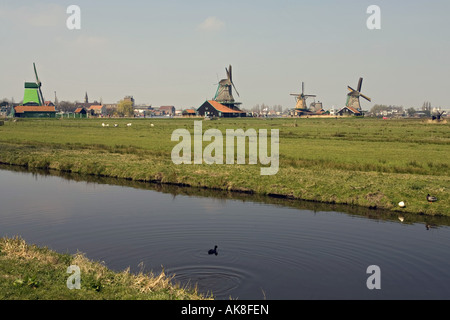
(220, 281)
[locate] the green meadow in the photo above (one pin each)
(356, 161)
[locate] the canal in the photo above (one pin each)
(267, 248)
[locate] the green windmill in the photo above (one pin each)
(33, 94)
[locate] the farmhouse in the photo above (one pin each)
(80, 113)
(34, 112)
(349, 111)
(213, 108)
(167, 110)
(97, 110)
(189, 113)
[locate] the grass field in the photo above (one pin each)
(366, 162)
(29, 272)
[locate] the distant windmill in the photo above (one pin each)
(224, 94)
(33, 94)
(353, 96)
(301, 98)
(438, 115)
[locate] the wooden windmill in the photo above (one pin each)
(224, 92)
(353, 96)
(301, 105)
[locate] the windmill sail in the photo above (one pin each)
(39, 84)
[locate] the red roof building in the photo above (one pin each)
(349, 111)
(167, 110)
(98, 109)
(215, 109)
(34, 111)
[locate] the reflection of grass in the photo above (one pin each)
(367, 162)
(30, 272)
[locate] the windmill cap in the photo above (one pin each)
(31, 85)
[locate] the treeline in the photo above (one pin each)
(381, 109)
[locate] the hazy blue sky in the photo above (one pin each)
(173, 52)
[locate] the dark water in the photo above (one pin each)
(267, 248)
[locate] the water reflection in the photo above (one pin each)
(176, 190)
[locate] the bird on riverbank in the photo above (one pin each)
(429, 226)
(431, 198)
(213, 251)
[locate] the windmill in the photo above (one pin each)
(33, 94)
(301, 99)
(438, 115)
(353, 96)
(224, 94)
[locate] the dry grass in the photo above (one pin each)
(17, 248)
(20, 262)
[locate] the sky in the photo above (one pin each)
(174, 52)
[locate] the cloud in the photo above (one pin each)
(212, 24)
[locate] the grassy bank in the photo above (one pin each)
(365, 162)
(28, 272)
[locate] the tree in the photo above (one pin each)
(67, 106)
(125, 108)
(410, 112)
(378, 109)
(426, 108)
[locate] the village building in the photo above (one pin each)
(348, 111)
(129, 99)
(189, 113)
(80, 113)
(211, 108)
(143, 111)
(167, 110)
(98, 110)
(34, 112)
